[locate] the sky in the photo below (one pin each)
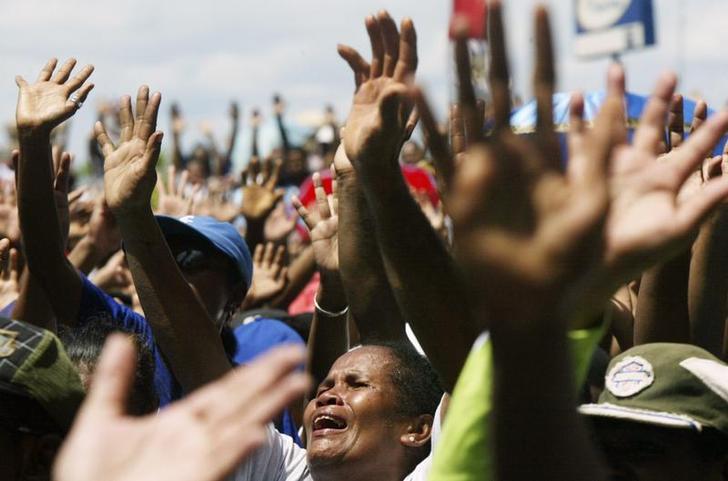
(204, 54)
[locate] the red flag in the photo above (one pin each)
(475, 12)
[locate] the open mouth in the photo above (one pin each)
(328, 424)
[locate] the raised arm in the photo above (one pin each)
(662, 304)
(299, 274)
(708, 284)
(32, 304)
(255, 121)
(41, 107)
(269, 276)
(181, 325)
(527, 256)
(646, 223)
(421, 272)
(225, 159)
(178, 126)
(329, 337)
(371, 300)
(279, 108)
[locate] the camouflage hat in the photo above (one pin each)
(40, 388)
(669, 385)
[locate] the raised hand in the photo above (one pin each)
(260, 194)
(103, 230)
(381, 116)
(522, 227)
(279, 224)
(234, 111)
(202, 437)
(255, 119)
(113, 276)
(323, 225)
(52, 98)
(176, 198)
(178, 122)
(647, 220)
(9, 275)
(129, 168)
(651, 218)
(214, 204)
(279, 106)
(270, 276)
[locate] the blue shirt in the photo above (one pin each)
(7, 311)
(257, 337)
(96, 302)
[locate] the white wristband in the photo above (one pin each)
(328, 313)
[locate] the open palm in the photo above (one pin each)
(48, 102)
(201, 438)
(380, 116)
(129, 169)
(323, 225)
(652, 216)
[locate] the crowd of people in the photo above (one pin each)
(486, 306)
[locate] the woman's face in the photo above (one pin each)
(353, 418)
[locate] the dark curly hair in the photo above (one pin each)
(84, 343)
(416, 384)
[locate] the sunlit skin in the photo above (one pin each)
(352, 425)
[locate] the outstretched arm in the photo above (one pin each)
(299, 274)
(708, 284)
(280, 109)
(254, 126)
(41, 107)
(178, 126)
(32, 304)
(421, 272)
(329, 337)
(371, 300)
(662, 304)
(526, 255)
(181, 325)
(225, 161)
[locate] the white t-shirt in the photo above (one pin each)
(280, 459)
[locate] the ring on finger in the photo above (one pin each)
(74, 98)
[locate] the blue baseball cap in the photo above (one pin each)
(222, 236)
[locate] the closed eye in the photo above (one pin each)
(356, 382)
